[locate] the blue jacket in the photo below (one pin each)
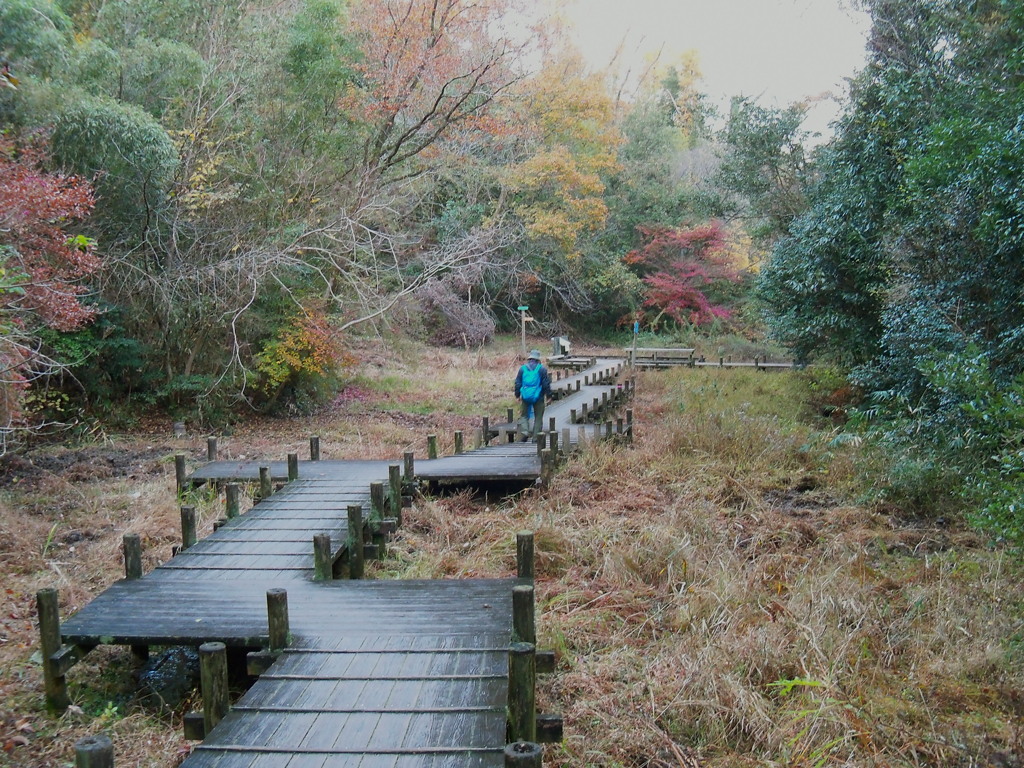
(545, 381)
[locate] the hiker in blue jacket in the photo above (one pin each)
(533, 388)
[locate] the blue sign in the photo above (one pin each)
(636, 328)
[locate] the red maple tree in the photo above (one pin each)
(42, 265)
(678, 266)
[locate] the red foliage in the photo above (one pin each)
(679, 265)
(43, 264)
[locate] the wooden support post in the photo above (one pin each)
(523, 754)
(757, 362)
(485, 430)
(510, 415)
(608, 429)
(409, 461)
(266, 483)
(553, 440)
(211, 449)
(577, 385)
(356, 555)
(179, 471)
(314, 448)
(583, 413)
(188, 528)
(377, 500)
(395, 491)
(277, 618)
(522, 702)
(619, 424)
(595, 407)
(551, 424)
(566, 444)
(458, 441)
(323, 564)
(542, 442)
(431, 446)
(523, 627)
(721, 362)
(54, 685)
(293, 467)
(213, 676)
(132, 544)
(572, 415)
(231, 500)
(547, 467)
(94, 752)
(524, 554)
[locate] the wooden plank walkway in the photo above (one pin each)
(376, 674)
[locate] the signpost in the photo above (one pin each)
(522, 323)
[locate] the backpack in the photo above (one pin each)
(530, 388)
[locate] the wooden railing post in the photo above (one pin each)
(431, 446)
(409, 462)
(213, 676)
(485, 430)
(94, 752)
(314, 448)
(323, 566)
(188, 528)
(355, 541)
(132, 543)
(524, 627)
(277, 618)
(377, 500)
(231, 500)
(524, 555)
(522, 702)
(395, 491)
(179, 471)
(266, 483)
(458, 441)
(54, 685)
(293, 467)
(523, 754)
(211, 449)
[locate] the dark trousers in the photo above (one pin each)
(526, 410)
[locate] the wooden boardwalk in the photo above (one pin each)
(374, 674)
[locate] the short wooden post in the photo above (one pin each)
(577, 385)
(356, 561)
(277, 618)
(377, 500)
(583, 413)
(542, 442)
(54, 685)
(572, 415)
(619, 425)
(522, 702)
(293, 467)
(266, 483)
(211, 449)
(551, 424)
(721, 362)
(485, 429)
(213, 677)
(94, 752)
(524, 554)
(609, 429)
(179, 471)
(188, 527)
(523, 626)
(510, 415)
(553, 440)
(323, 564)
(524, 754)
(231, 500)
(132, 543)
(547, 466)
(566, 447)
(757, 362)
(458, 441)
(314, 448)
(395, 491)
(431, 446)
(409, 461)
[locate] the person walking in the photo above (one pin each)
(533, 388)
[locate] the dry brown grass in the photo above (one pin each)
(712, 591)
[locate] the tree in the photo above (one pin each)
(41, 266)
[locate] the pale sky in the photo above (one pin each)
(780, 51)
